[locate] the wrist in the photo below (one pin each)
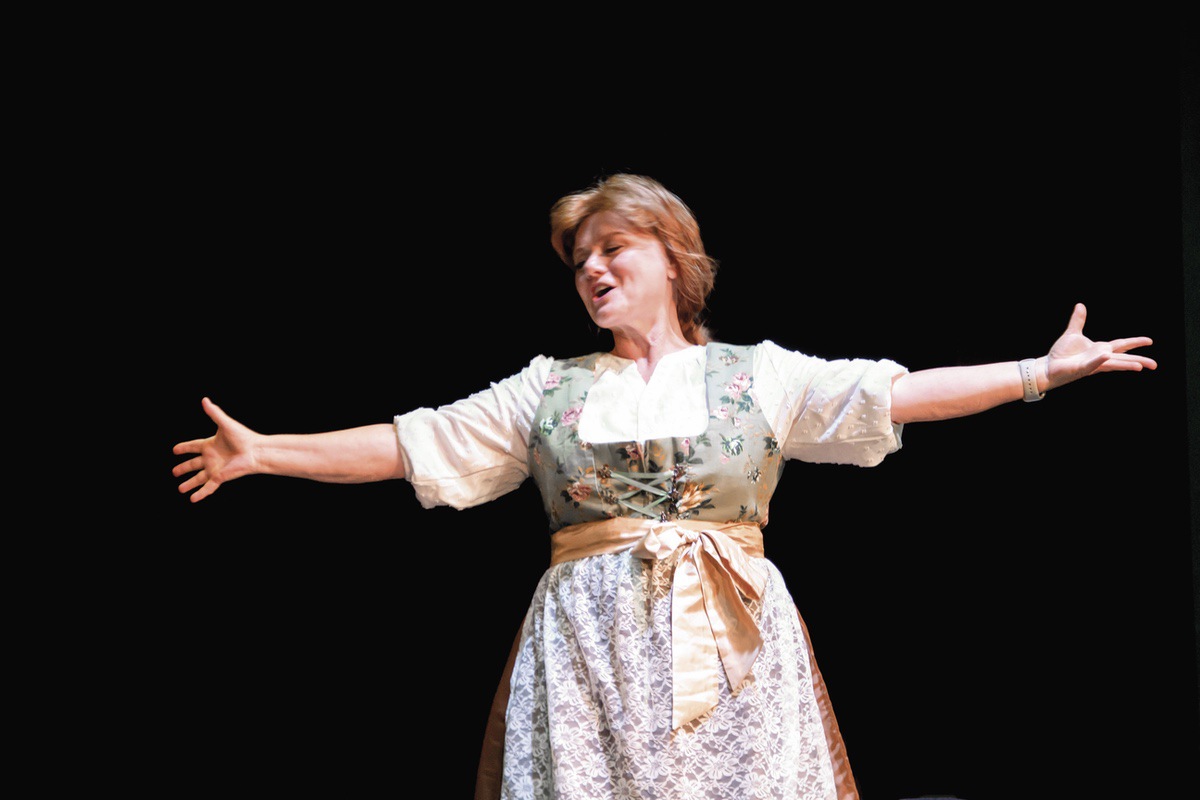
(1030, 385)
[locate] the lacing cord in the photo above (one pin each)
(639, 486)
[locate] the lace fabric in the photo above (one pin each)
(595, 659)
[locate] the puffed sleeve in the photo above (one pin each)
(829, 411)
(473, 450)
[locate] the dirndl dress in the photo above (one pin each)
(588, 707)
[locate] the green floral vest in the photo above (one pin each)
(726, 473)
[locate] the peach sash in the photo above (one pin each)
(711, 627)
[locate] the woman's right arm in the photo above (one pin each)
(354, 455)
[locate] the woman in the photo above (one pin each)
(662, 655)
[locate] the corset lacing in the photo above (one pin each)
(663, 488)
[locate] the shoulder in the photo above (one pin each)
(765, 352)
(585, 361)
(746, 347)
(773, 350)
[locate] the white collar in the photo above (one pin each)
(609, 362)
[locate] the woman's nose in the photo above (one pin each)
(594, 264)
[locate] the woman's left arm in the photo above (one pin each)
(948, 392)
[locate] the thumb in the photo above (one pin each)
(1078, 317)
(213, 410)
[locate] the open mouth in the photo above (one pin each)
(603, 291)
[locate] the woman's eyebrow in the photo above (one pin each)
(603, 238)
(578, 253)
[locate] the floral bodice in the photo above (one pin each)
(725, 473)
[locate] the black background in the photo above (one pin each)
(336, 230)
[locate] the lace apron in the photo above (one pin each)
(662, 656)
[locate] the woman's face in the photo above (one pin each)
(623, 275)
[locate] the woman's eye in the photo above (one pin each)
(612, 248)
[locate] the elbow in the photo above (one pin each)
(901, 404)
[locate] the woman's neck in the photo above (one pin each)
(647, 350)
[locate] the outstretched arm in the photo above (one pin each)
(353, 455)
(948, 392)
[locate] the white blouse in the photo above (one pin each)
(474, 450)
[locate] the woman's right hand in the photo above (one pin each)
(222, 457)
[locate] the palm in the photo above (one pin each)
(225, 455)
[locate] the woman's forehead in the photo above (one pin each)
(601, 224)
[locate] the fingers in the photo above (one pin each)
(203, 492)
(191, 465)
(195, 445)
(212, 409)
(1129, 363)
(1078, 317)
(1118, 362)
(191, 446)
(1124, 345)
(199, 479)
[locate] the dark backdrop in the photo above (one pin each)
(334, 240)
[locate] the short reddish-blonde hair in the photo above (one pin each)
(647, 204)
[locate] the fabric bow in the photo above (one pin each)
(709, 618)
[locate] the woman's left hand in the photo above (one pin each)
(1074, 356)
